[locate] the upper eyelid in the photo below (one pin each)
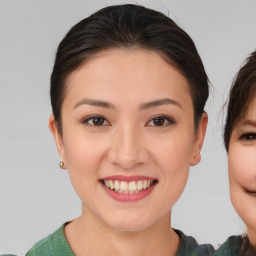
(170, 119)
(242, 133)
(88, 118)
(163, 116)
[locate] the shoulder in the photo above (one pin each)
(40, 248)
(230, 247)
(190, 247)
(54, 244)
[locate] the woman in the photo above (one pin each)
(128, 91)
(240, 142)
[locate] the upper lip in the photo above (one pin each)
(128, 178)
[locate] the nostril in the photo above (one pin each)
(128, 164)
(127, 149)
(125, 161)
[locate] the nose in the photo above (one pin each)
(127, 149)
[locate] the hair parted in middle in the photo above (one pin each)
(128, 27)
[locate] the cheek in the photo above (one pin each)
(173, 158)
(242, 165)
(83, 158)
(175, 150)
(82, 149)
(242, 171)
(237, 179)
(80, 154)
(175, 172)
(84, 164)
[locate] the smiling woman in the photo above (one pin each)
(128, 90)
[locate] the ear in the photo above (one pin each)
(57, 138)
(199, 139)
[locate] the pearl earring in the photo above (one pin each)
(61, 164)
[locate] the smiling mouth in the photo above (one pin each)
(252, 193)
(132, 187)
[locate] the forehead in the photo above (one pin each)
(247, 113)
(126, 60)
(251, 109)
(129, 72)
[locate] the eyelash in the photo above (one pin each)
(248, 136)
(94, 118)
(167, 121)
(164, 121)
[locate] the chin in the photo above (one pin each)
(128, 223)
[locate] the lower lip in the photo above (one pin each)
(129, 197)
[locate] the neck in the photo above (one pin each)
(88, 235)
(252, 238)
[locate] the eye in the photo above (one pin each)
(96, 121)
(160, 121)
(248, 136)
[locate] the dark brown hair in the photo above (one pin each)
(128, 26)
(242, 91)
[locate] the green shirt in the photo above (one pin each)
(56, 245)
(235, 246)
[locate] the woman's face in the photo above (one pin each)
(128, 137)
(242, 170)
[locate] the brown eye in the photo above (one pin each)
(96, 121)
(248, 136)
(160, 121)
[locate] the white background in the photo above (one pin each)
(36, 197)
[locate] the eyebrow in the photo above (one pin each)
(249, 122)
(97, 103)
(160, 102)
(144, 106)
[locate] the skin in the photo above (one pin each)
(242, 170)
(127, 143)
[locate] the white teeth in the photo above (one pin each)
(132, 186)
(111, 184)
(139, 185)
(123, 185)
(144, 184)
(116, 185)
(128, 187)
(106, 183)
